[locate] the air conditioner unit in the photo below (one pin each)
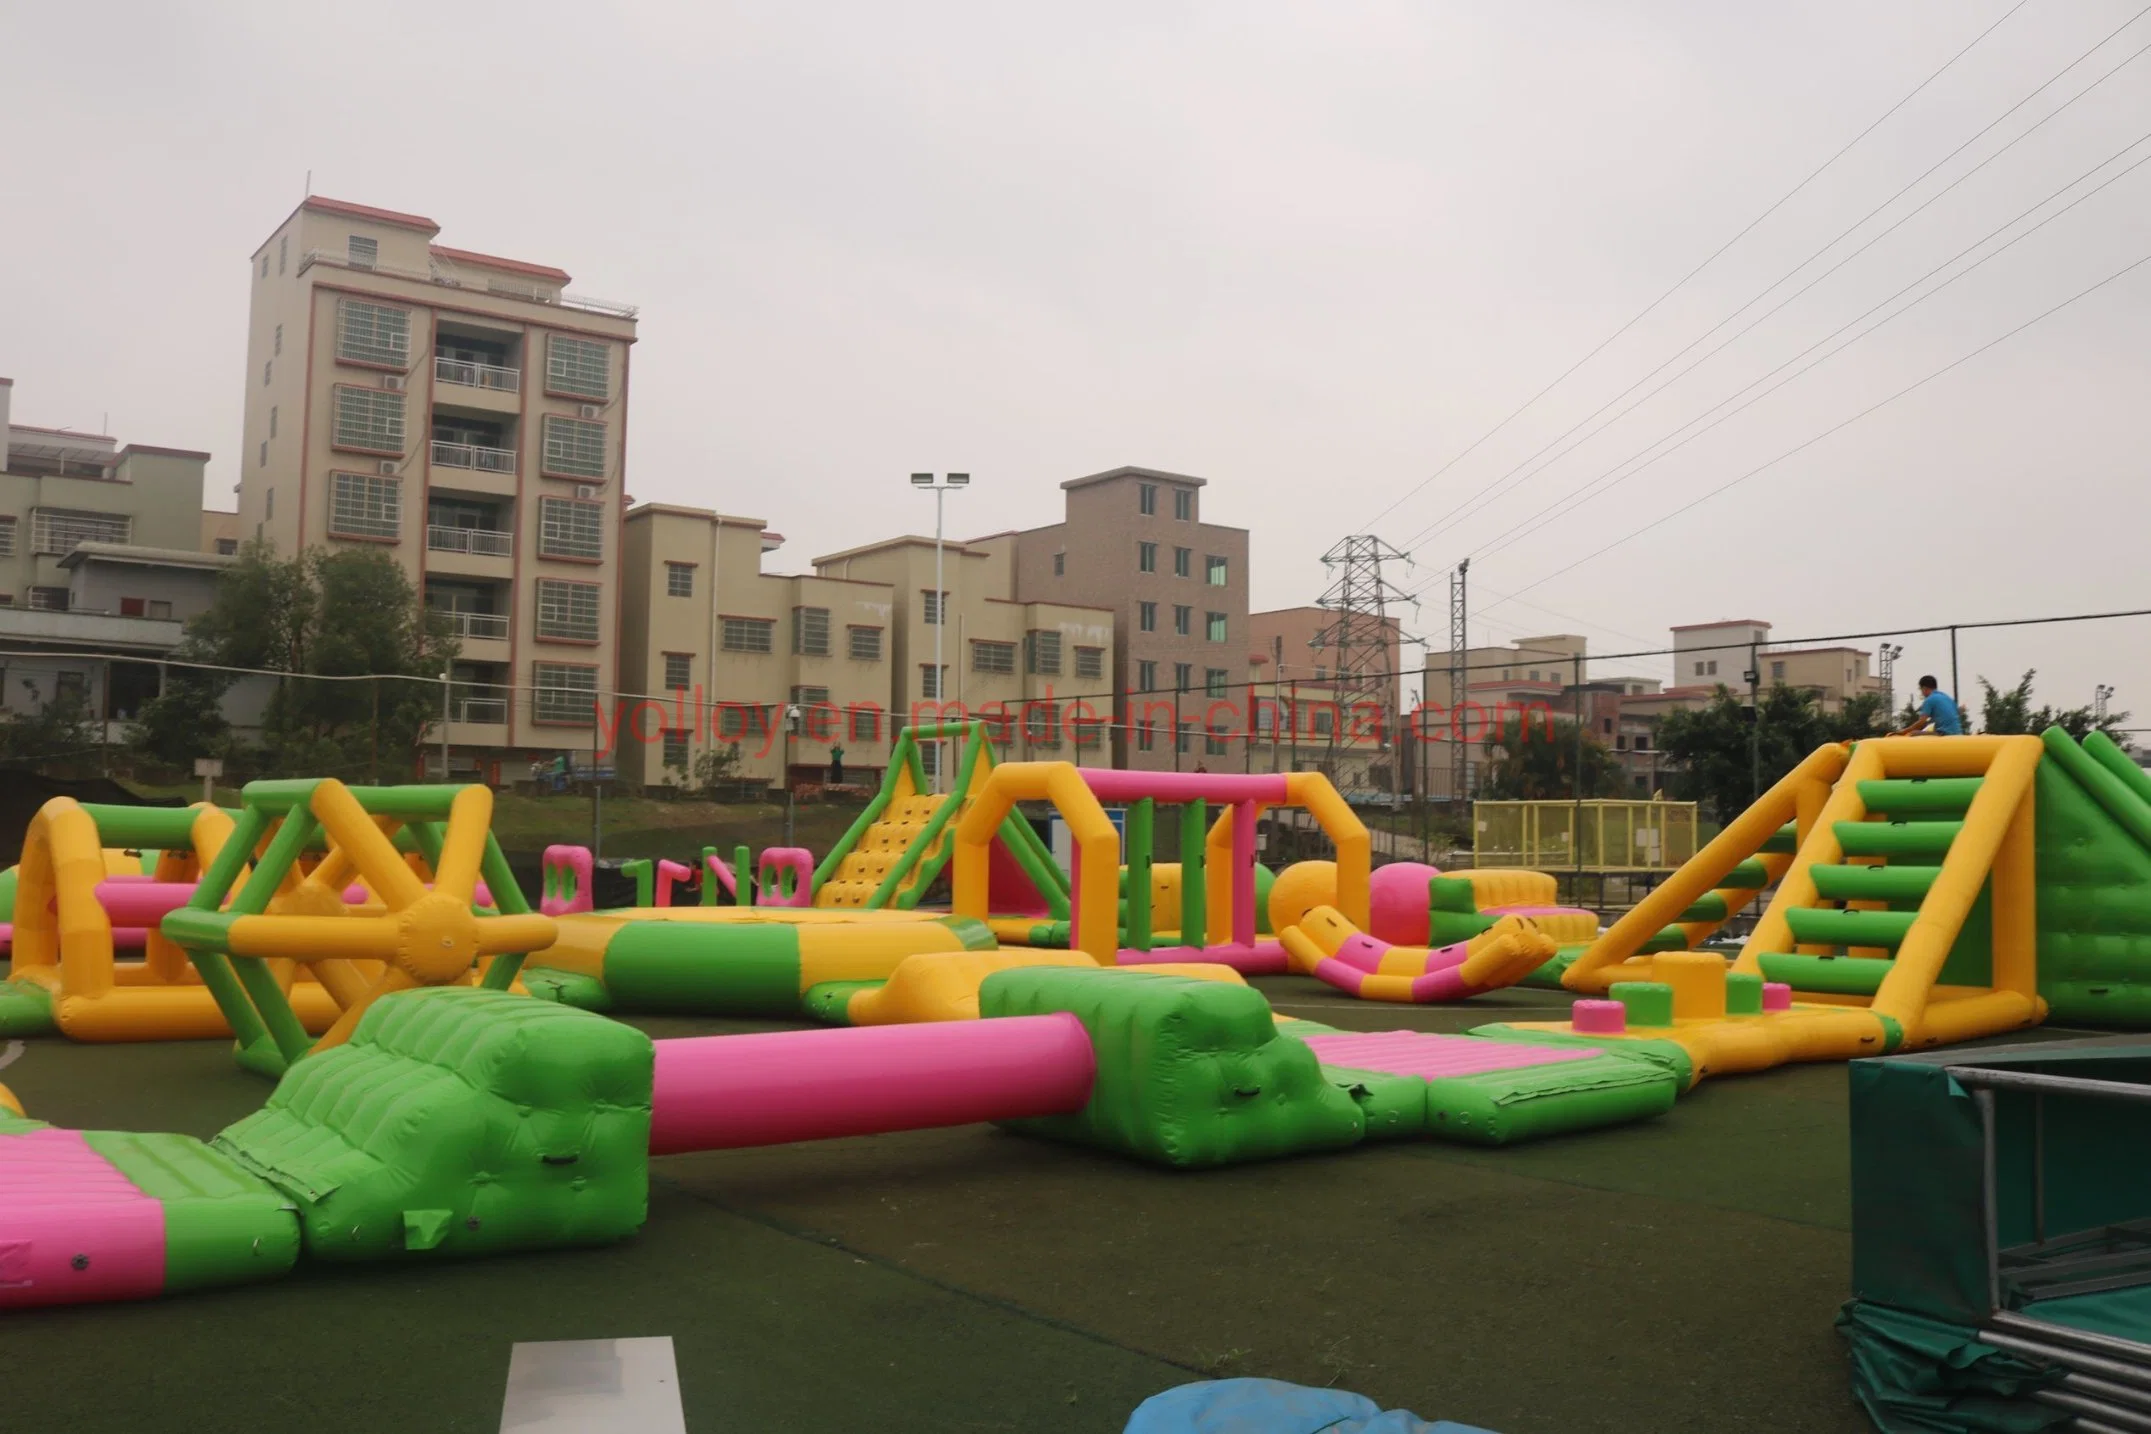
(588, 410)
(388, 468)
(393, 382)
(587, 490)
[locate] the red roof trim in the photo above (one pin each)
(494, 261)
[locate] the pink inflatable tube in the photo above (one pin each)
(722, 1092)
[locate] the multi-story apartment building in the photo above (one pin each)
(1348, 732)
(468, 415)
(1037, 670)
(1711, 655)
(1132, 542)
(716, 654)
(101, 564)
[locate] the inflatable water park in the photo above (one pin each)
(444, 1076)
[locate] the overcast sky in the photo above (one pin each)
(1310, 252)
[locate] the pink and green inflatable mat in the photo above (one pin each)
(461, 1121)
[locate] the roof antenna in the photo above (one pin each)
(309, 184)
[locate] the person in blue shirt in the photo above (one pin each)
(1937, 713)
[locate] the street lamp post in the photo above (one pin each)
(941, 615)
(2100, 696)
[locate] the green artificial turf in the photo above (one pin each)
(1679, 1275)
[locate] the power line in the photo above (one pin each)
(1682, 282)
(1598, 486)
(1503, 485)
(1845, 423)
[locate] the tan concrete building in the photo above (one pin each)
(718, 654)
(1349, 737)
(1714, 654)
(59, 488)
(1133, 542)
(469, 415)
(1038, 670)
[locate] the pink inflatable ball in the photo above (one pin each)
(1299, 889)
(1398, 899)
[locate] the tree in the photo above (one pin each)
(1537, 762)
(345, 614)
(1719, 752)
(48, 729)
(2011, 713)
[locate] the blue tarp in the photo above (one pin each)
(1271, 1406)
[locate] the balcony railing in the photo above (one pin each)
(477, 709)
(475, 624)
(473, 455)
(485, 542)
(439, 276)
(477, 375)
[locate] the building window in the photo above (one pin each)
(272, 421)
(574, 447)
(930, 758)
(731, 720)
(582, 367)
(226, 547)
(1214, 571)
(1042, 653)
(1146, 737)
(1321, 673)
(268, 507)
(1183, 562)
(265, 263)
(572, 528)
(865, 723)
(563, 695)
(998, 657)
(680, 580)
(1777, 671)
(1214, 626)
(279, 344)
(365, 505)
(1325, 720)
(863, 643)
(7, 535)
(1146, 557)
(930, 680)
(676, 750)
(1146, 616)
(364, 252)
(1146, 494)
(56, 531)
(1146, 676)
(568, 611)
(266, 366)
(1214, 680)
(679, 671)
(373, 333)
(1060, 564)
(369, 420)
(749, 634)
(810, 631)
(54, 599)
(1183, 676)
(283, 251)
(1213, 742)
(932, 604)
(1090, 662)
(1089, 731)
(263, 461)
(1187, 736)
(1184, 504)
(810, 697)
(1183, 619)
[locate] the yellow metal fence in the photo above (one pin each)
(1612, 836)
